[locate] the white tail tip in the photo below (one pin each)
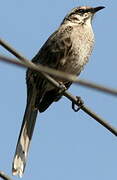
(18, 167)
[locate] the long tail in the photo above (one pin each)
(24, 139)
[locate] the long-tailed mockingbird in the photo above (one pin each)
(67, 49)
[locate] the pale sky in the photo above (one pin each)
(66, 145)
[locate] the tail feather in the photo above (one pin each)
(24, 139)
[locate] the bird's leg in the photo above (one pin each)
(77, 106)
(62, 88)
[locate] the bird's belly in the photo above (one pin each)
(71, 66)
(74, 63)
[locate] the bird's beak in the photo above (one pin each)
(98, 8)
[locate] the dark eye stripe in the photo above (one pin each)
(80, 11)
(83, 10)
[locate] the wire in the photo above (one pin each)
(65, 76)
(56, 84)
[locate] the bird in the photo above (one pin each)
(68, 49)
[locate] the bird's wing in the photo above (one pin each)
(55, 48)
(52, 52)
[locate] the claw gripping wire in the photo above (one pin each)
(79, 105)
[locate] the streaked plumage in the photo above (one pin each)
(68, 50)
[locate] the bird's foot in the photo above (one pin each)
(62, 88)
(77, 106)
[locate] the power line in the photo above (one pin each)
(73, 99)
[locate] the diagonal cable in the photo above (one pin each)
(50, 71)
(65, 93)
(4, 176)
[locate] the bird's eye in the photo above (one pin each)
(80, 11)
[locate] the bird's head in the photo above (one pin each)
(81, 14)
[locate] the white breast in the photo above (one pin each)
(83, 42)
